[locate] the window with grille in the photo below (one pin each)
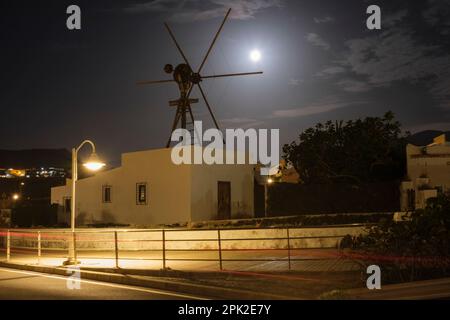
(141, 193)
(106, 194)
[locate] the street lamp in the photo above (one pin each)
(93, 164)
(266, 195)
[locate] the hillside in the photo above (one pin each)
(424, 138)
(35, 158)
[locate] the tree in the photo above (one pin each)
(418, 248)
(368, 150)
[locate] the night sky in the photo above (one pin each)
(320, 63)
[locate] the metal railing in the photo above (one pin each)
(128, 247)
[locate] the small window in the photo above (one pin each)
(106, 194)
(141, 193)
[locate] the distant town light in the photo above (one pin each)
(16, 196)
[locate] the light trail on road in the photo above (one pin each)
(95, 288)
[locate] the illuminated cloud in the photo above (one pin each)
(192, 10)
(326, 19)
(323, 106)
(351, 85)
(317, 41)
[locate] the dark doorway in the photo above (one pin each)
(224, 200)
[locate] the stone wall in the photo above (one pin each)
(245, 239)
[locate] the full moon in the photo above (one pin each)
(255, 55)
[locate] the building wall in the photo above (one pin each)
(175, 193)
(257, 239)
(168, 188)
(205, 180)
(168, 192)
(59, 193)
(435, 164)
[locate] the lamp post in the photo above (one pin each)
(93, 164)
(266, 195)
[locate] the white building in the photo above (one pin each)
(148, 189)
(428, 173)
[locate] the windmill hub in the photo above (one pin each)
(183, 74)
(196, 78)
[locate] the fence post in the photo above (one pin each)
(289, 248)
(164, 248)
(220, 249)
(8, 245)
(39, 246)
(116, 249)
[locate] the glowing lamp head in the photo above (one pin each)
(255, 55)
(94, 163)
(15, 196)
(270, 181)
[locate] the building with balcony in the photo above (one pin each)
(428, 173)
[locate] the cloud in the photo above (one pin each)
(397, 56)
(391, 57)
(328, 72)
(394, 18)
(315, 108)
(242, 123)
(351, 85)
(324, 105)
(326, 19)
(194, 10)
(437, 14)
(295, 82)
(316, 40)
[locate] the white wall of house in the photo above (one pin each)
(434, 164)
(175, 193)
(204, 197)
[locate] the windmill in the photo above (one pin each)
(186, 79)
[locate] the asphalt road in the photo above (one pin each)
(25, 285)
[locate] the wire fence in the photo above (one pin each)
(166, 248)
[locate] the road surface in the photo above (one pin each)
(18, 285)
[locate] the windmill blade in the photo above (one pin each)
(176, 43)
(214, 41)
(232, 75)
(153, 82)
(209, 108)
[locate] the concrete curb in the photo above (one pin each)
(220, 293)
